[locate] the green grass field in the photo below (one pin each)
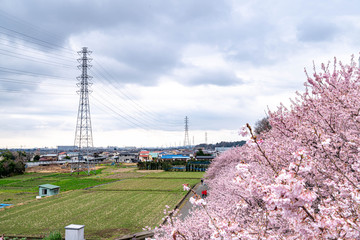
(104, 214)
(125, 203)
(178, 175)
(25, 187)
(141, 184)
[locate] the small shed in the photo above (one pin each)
(48, 190)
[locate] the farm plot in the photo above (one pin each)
(65, 181)
(141, 184)
(103, 214)
(128, 202)
(21, 188)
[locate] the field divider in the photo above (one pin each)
(168, 178)
(88, 188)
(135, 190)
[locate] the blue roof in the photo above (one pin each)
(174, 157)
(2, 205)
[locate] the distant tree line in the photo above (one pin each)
(200, 152)
(221, 144)
(190, 166)
(166, 166)
(11, 163)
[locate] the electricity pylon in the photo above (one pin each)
(83, 132)
(186, 140)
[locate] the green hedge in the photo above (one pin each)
(167, 166)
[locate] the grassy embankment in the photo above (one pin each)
(109, 210)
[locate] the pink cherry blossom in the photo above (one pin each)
(197, 201)
(244, 132)
(186, 187)
(299, 180)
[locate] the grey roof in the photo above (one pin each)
(49, 186)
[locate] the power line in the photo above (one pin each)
(144, 112)
(140, 117)
(29, 25)
(22, 92)
(36, 83)
(16, 45)
(117, 114)
(21, 72)
(32, 59)
(132, 112)
(33, 38)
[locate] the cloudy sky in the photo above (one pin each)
(221, 63)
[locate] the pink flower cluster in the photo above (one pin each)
(244, 132)
(186, 187)
(299, 180)
(197, 201)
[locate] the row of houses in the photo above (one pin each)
(137, 156)
(175, 155)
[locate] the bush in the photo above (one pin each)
(36, 158)
(53, 236)
(10, 165)
(166, 166)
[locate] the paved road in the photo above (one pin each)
(187, 206)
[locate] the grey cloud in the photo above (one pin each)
(209, 120)
(171, 24)
(316, 31)
(214, 77)
(150, 35)
(66, 17)
(140, 65)
(145, 60)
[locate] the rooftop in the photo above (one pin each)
(49, 186)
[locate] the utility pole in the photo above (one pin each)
(186, 140)
(83, 132)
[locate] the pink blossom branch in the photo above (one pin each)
(178, 233)
(260, 149)
(308, 213)
(211, 219)
(334, 163)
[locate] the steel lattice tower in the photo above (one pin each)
(186, 140)
(83, 133)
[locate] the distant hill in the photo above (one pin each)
(220, 144)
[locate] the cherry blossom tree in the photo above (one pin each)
(299, 180)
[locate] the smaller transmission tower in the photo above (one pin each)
(83, 132)
(206, 139)
(186, 140)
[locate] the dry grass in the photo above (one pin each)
(55, 168)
